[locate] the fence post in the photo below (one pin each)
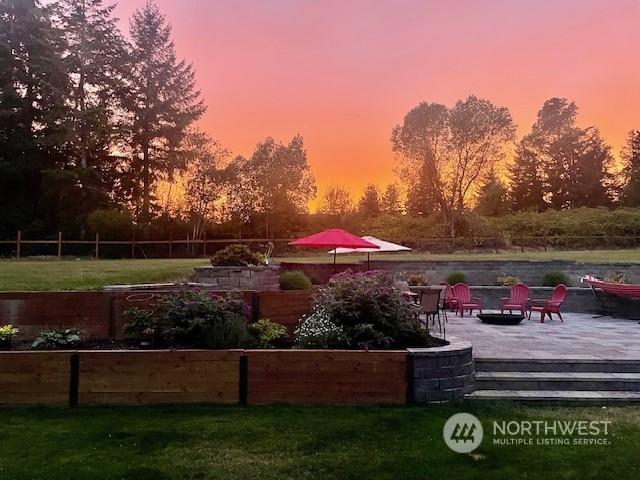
(204, 243)
(188, 247)
(170, 245)
(59, 245)
(522, 243)
(133, 245)
(18, 240)
(97, 245)
(545, 243)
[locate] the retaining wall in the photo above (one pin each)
(125, 377)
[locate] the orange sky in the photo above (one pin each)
(343, 73)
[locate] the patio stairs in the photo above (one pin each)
(557, 380)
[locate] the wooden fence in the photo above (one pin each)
(196, 247)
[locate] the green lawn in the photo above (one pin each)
(17, 275)
(198, 442)
(631, 255)
(83, 274)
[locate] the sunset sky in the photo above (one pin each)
(343, 73)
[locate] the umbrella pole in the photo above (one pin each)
(334, 258)
(368, 261)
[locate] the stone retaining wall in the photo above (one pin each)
(443, 373)
(486, 272)
(239, 278)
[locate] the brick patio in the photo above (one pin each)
(581, 336)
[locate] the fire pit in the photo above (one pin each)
(501, 318)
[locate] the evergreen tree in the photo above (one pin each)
(492, 196)
(369, 204)
(391, 203)
(162, 102)
(631, 172)
(33, 89)
(568, 162)
(526, 179)
(94, 59)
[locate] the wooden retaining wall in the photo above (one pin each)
(146, 377)
(332, 377)
(142, 377)
(35, 311)
(34, 378)
(286, 307)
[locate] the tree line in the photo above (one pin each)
(98, 132)
(93, 124)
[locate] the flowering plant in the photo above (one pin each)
(371, 310)
(316, 330)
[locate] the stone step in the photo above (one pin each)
(581, 396)
(556, 365)
(558, 381)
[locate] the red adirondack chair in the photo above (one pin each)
(517, 300)
(465, 301)
(450, 301)
(547, 307)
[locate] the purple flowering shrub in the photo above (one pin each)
(371, 310)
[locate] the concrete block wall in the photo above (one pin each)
(442, 374)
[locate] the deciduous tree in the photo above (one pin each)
(450, 149)
(336, 201)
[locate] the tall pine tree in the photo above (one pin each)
(162, 102)
(33, 90)
(631, 172)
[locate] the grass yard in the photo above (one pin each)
(201, 442)
(42, 275)
(84, 274)
(620, 256)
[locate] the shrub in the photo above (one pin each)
(417, 280)
(371, 310)
(141, 324)
(554, 278)
(456, 277)
(505, 280)
(7, 332)
(57, 339)
(269, 334)
(294, 280)
(195, 319)
(237, 255)
(110, 223)
(317, 330)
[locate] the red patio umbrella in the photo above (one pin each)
(333, 238)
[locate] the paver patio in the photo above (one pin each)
(580, 336)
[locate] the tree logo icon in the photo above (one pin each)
(462, 433)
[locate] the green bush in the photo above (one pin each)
(237, 255)
(554, 278)
(456, 277)
(294, 280)
(7, 332)
(268, 334)
(110, 223)
(141, 324)
(57, 339)
(195, 319)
